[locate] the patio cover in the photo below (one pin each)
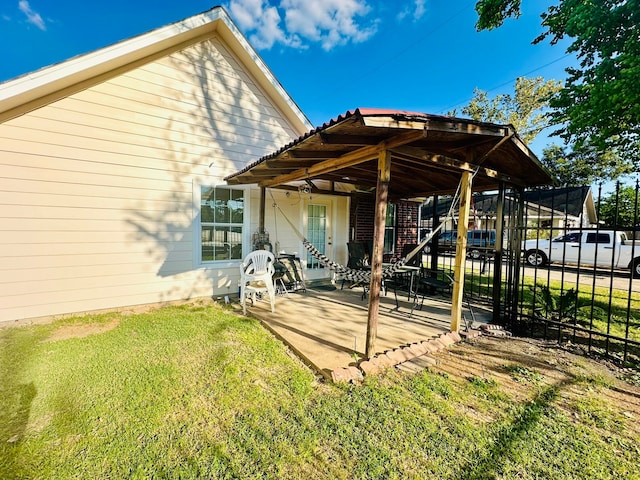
(428, 154)
(401, 155)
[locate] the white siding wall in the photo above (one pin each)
(97, 190)
(292, 207)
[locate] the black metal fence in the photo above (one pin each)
(565, 266)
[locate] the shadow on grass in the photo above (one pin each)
(488, 466)
(16, 397)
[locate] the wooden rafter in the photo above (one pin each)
(360, 155)
(455, 165)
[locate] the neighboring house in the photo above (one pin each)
(112, 167)
(557, 208)
(570, 207)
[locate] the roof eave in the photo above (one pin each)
(44, 86)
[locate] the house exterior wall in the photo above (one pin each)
(99, 191)
(291, 208)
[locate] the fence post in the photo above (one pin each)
(497, 260)
(516, 246)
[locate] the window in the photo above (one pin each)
(599, 238)
(316, 232)
(221, 223)
(390, 230)
(573, 237)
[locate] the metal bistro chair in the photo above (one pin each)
(256, 276)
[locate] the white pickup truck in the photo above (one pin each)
(603, 248)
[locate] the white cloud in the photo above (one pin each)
(327, 22)
(416, 10)
(32, 17)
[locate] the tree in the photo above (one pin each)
(620, 208)
(599, 105)
(525, 110)
(582, 165)
(563, 167)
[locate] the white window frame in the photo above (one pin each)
(197, 231)
(390, 249)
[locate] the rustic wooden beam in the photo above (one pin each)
(434, 124)
(461, 251)
(382, 190)
(290, 163)
(256, 173)
(452, 164)
(360, 155)
(320, 191)
(301, 153)
(494, 148)
(346, 139)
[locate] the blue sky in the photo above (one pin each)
(330, 55)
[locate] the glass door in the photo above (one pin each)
(319, 234)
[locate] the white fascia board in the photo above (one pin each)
(84, 67)
(49, 84)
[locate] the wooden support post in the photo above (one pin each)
(461, 251)
(382, 191)
(263, 196)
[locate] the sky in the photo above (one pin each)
(330, 55)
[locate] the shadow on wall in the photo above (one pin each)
(221, 118)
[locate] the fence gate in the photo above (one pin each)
(579, 271)
(559, 265)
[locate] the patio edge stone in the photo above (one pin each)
(409, 358)
(470, 334)
(347, 374)
(446, 339)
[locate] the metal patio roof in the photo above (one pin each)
(428, 154)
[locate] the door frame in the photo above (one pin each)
(330, 204)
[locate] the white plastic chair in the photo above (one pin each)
(256, 276)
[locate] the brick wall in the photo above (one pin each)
(361, 222)
(406, 225)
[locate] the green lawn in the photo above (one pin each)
(198, 392)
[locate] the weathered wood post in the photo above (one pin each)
(263, 195)
(382, 191)
(461, 251)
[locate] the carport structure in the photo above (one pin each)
(404, 155)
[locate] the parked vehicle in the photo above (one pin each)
(602, 248)
(479, 242)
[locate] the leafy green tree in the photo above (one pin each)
(582, 165)
(599, 105)
(526, 109)
(620, 208)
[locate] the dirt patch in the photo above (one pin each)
(65, 332)
(525, 367)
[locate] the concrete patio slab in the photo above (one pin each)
(327, 326)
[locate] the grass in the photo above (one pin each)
(198, 392)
